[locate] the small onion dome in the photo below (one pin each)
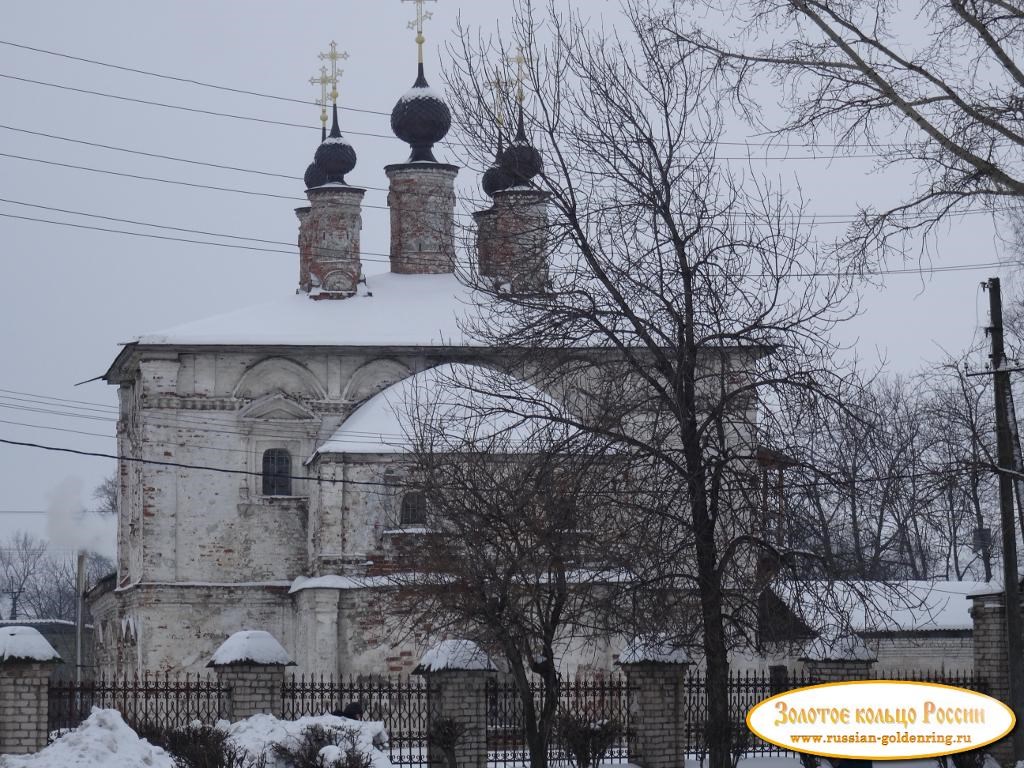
(521, 160)
(315, 176)
(495, 179)
(335, 156)
(421, 119)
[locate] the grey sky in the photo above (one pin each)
(68, 297)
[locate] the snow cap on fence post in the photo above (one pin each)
(250, 664)
(26, 661)
(656, 673)
(458, 673)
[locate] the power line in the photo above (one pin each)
(187, 80)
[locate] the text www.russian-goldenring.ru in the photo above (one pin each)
(885, 739)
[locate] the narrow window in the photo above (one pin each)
(277, 471)
(414, 509)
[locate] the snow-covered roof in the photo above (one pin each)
(389, 310)
(456, 406)
(832, 646)
(456, 655)
(865, 606)
(652, 650)
(250, 646)
(25, 644)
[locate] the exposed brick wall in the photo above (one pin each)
(658, 714)
(255, 689)
(329, 263)
(23, 706)
(512, 239)
(422, 201)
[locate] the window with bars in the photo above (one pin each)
(414, 509)
(277, 472)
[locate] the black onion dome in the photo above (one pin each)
(315, 176)
(421, 119)
(496, 179)
(335, 156)
(521, 160)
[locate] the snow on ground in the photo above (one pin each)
(104, 740)
(25, 643)
(250, 646)
(257, 733)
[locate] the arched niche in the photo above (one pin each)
(279, 375)
(374, 376)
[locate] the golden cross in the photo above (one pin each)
(417, 24)
(334, 57)
(499, 85)
(519, 60)
(323, 81)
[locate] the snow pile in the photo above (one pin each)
(257, 735)
(652, 650)
(25, 644)
(104, 740)
(455, 654)
(250, 646)
(832, 646)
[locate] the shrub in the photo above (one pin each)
(445, 733)
(200, 746)
(313, 741)
(586, 741)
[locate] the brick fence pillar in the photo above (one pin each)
(457, 674)
(250, 664)
(988, 612)
(656, 674)
(26, 662)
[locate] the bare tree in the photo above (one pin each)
(521, 532)
(681, 295)
(105, 495)
(938, 87)
(22, 557)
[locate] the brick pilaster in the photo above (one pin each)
(255, 689)
(24, 705)
(658, 715)
(462, 696)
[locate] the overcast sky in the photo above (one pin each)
(69, 296)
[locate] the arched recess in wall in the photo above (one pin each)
(278, 374)
(372, 377)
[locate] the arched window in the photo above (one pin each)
(277, 471)
(414, 509)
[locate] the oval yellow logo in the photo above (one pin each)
(880, 720)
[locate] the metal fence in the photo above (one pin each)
(150, 701)
(594, 702)
(402, 704)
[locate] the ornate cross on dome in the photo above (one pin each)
(417, 23)
(334, 57)
(323, 81)
(520, 61)
(498, 85)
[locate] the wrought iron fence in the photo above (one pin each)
(402, 704)
(594, 702)
(748, 688)
(150, 701)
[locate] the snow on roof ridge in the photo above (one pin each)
(461, 655)
(21, 643)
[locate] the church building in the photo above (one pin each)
(291, 404)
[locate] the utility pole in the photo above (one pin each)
(1011, 579)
